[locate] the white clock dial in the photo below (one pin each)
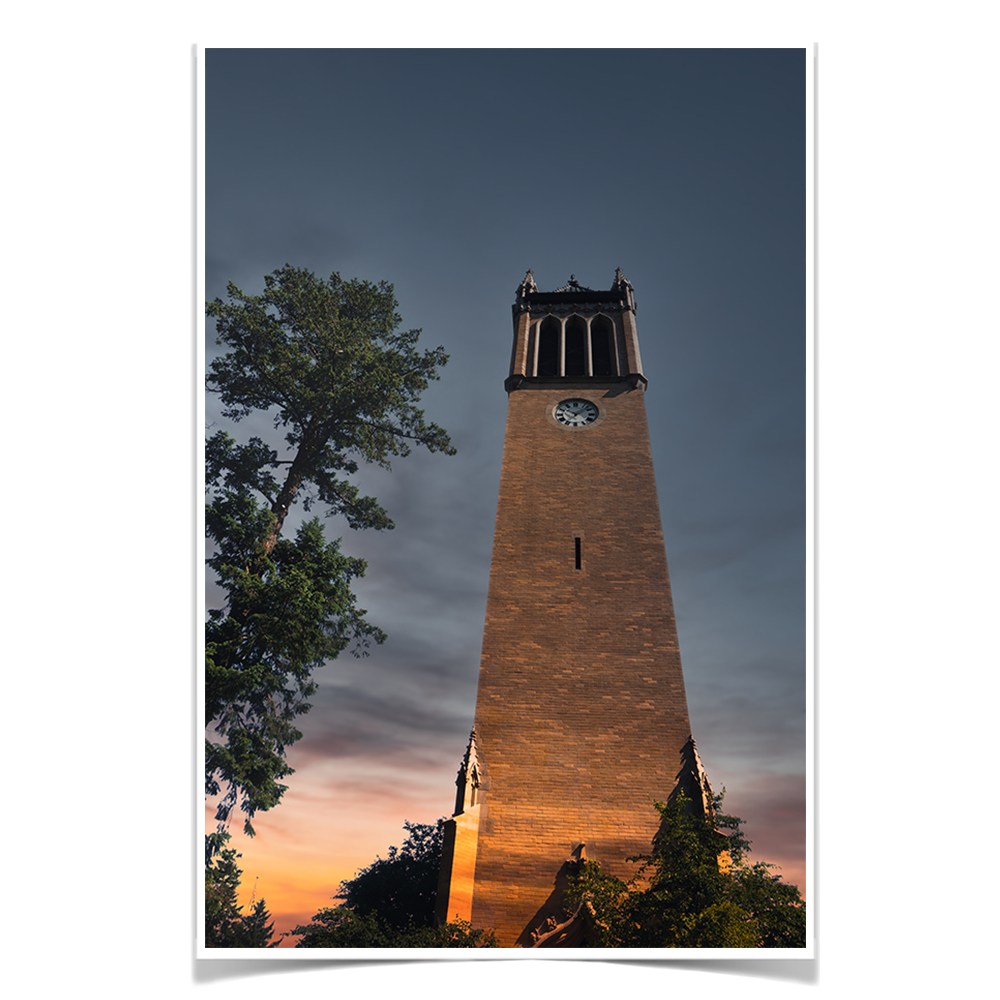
(576, 412)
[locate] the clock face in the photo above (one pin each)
(576, 412)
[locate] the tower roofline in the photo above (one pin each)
(620, 295)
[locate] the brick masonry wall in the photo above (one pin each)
(581, 712)
(455, 883)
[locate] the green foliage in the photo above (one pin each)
(776, 907)
(339, 927)
(402, 888)
(696, 890)
(226, 926)
(327, 361)
(286, 617)
(390, 904)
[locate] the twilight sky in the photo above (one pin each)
(450, 173)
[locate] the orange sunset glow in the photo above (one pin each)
(328, 826)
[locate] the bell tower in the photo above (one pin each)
(581, 714)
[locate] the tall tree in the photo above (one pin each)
(328, 362)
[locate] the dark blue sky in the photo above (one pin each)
(450, 173)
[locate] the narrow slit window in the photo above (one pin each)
(579, 553)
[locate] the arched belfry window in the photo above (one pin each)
(576, 346)
(548, 347)
(601, 334)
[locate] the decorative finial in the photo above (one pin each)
(527, 286)
(468, 780)
(623, 287)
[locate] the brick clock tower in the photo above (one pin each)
(581, 715)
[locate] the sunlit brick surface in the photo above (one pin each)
(581, 712)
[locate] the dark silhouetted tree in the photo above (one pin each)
(226, 926)
(401, 889)
(390, 904)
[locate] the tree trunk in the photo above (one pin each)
(312, 442)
